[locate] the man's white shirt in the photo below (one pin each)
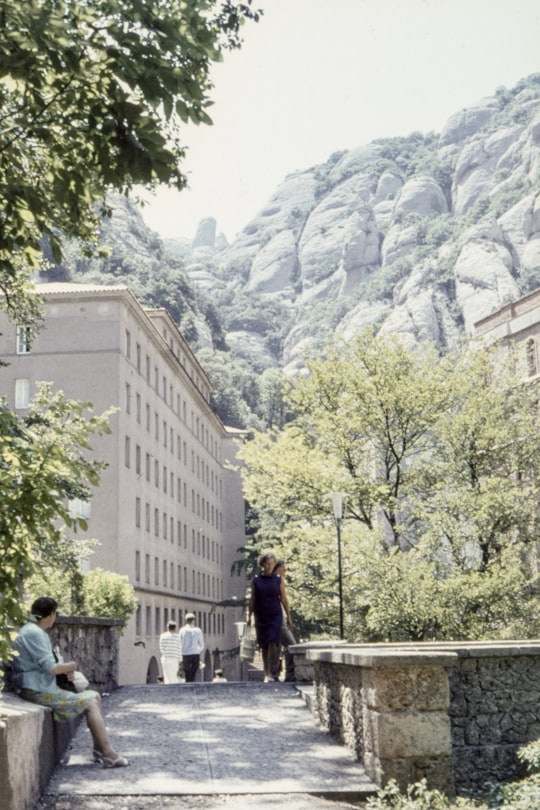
(191, 640)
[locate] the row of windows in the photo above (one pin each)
(167, 574)
(200, 507)
(198, 466)
(156, 621)
(163, 524)
(23, 338)
(166, 390)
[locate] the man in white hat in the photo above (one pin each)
(192, 644)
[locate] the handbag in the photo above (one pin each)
(248, 645)
(77, 683)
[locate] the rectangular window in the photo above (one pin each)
(79, 508)
(148, 620)
(147, 516)
(156, 571)
(23, 339)
(147, 568)
(137, 512)
(127, 451)
(148, 465)
(164, 433)
(138, 355)
(156, 473)
(164, 478)
(158, 621)
(138, 566)
(165, 525)
(22, 393)
(148, 369)
(138, 621)
(156, 522)
(148, 418)
(128, 398)
(128, 344)
(138, 459)
(165, 578)
(138, 407)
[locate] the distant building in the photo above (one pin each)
(169, 512)
(516, 325)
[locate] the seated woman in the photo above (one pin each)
(34, 674)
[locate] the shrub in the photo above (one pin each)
(108, 595)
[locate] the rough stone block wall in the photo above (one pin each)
(93, 644)
(494, 710)
(338, 698)
(395, 720)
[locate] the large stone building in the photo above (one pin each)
(169, 511)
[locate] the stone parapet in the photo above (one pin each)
(454, 713)
(94, 644)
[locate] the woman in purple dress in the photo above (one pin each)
(268, 594)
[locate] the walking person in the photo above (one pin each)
(191, 646)
(171, 652)
(268, 595)
(286, 637)
(34, 675)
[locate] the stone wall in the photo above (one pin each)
(93, 644)
(452, 713)
(494, 709)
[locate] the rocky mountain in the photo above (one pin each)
(422, 236)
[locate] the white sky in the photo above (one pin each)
(317, 76)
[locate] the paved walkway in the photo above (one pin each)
(251, 744)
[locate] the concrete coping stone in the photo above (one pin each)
(371, 658)
(410, 654)
(11, 705)
(90, 620)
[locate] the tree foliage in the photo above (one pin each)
(44, 463)
(93, 97)
(439, 457)
(108, 594)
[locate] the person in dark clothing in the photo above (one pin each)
(286, 637)
(268, 595)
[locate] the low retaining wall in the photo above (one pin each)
(452, 713)
(94, 644)
(31, 742)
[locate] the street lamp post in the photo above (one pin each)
(338, 499)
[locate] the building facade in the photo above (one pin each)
(515, 326)
(169, 512)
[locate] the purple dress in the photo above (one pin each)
(267, 608)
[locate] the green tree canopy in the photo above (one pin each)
(93, 97)
(44, 463)
(439, 458)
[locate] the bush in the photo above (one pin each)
(521, 795)
(108, 595)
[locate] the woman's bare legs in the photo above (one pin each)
(268, 656)
(98, 730)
